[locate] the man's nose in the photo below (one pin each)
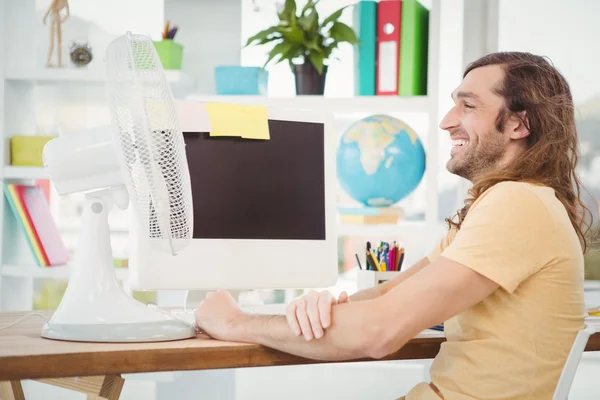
(450, 120)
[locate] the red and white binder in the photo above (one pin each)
(389, 16)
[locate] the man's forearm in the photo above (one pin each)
(367, 294)
(348, 337)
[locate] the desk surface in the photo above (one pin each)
(25, 355)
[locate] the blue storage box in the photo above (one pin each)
(238, 80)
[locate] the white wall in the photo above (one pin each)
(567, 32)
(210, 33)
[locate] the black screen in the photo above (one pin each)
(259, 189)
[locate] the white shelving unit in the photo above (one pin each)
(175, 77)
(352, 108)
(335, 105)
(23, 78)
(58, 272)
(24, 173)
(26, 88)
(402, 230)
(54, 75)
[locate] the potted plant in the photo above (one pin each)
(305, 42)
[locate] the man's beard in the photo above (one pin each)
(478, 159)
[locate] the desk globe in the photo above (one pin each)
(380, 161)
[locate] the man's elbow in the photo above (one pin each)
(378, 351)
(379, 343)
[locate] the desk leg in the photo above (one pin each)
(96, 387)
(11, 390)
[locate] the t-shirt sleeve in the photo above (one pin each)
(506, 236)
(441, 246)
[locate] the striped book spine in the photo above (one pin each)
(16, 204)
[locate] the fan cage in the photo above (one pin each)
(149, 140)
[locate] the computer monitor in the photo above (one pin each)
(264, 210)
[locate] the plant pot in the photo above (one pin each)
(308, 80)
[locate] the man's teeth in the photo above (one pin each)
(460, 142)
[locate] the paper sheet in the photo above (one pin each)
(192, 116)
(248, 122)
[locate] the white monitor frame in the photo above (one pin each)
(247, 264)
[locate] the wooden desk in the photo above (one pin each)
(25, 355)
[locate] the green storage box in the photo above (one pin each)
(27, 150)
(170, 53)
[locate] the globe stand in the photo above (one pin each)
(371, 215)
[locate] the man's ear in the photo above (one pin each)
(519, 125)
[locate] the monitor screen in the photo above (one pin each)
(259, 189)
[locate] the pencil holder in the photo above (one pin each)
(170, 53)
(367, 279)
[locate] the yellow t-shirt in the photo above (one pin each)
(513, 344)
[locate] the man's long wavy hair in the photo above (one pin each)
(532, 85)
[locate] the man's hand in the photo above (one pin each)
(310, 315)
(219, 316)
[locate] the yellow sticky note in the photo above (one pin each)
(248, 122)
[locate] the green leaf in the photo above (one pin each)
(293, 34)
(333, 17)
(308, 6)
(279, 49)
(311, 5)
(290, 54)
(267, 40)
(289, 11)
(310, 23)
(316, 59)
(341, 32)
(314, 45)
(262, 35)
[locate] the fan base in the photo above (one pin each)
(94, 307)
(115, 333)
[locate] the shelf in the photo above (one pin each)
(403, 229)
(336, 105)
(55, 74)
(24, 173)
(175, 77)
(59, 272)
(76, 229)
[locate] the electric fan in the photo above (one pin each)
(140, 162)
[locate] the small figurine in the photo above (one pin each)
(56, 21)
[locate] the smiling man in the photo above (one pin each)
(507, 280)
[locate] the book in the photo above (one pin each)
(389, 16)
(32, 213)
(365, 53)
(48, 234)
(16, 204)
(413, 49)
